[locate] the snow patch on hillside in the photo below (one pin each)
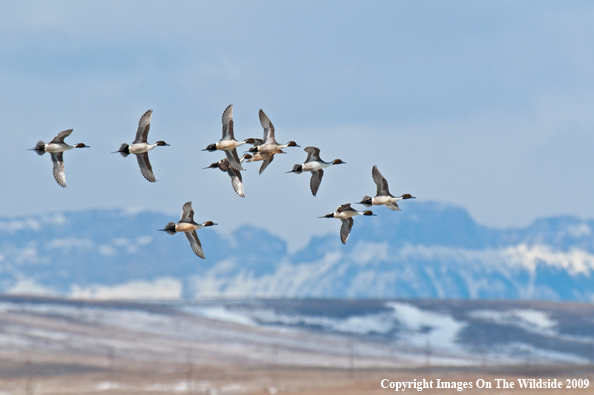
(422, 326)
(575, 261)
(28, 286)
(165, 288)
(533, 321)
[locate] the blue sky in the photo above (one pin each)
(486, 105)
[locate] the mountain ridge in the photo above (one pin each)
(428, 250)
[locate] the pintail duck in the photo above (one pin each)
(140, 147)
(268, 144)
(56, 148)
(235, 174)
(314, 164)
(266, 157)
(346, 214)
(383, 196)
(187, 225)
(228, 143)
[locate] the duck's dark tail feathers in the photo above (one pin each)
(366, 201)
(124, 150)
(169, 228)
(39, 148)
(297, 169)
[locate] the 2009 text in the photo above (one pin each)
(421, 384)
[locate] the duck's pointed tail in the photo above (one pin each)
(169, 228)
(124, 150)
(39, 148)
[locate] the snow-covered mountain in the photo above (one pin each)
(428, 250)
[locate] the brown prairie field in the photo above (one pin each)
(134, 377)
(78, 347)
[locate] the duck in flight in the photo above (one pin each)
(268, 144)
(228, 143)
(266, 157)
(383, 196)
(140, 147)
(56, 148)
(346, 214)
(314, 164)
(235, 174)
(187, 225)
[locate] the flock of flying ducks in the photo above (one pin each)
(262, 150)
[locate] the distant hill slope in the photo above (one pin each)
(428, 250)
(308, 332)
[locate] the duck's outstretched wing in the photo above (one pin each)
(143, 127)
(228, 123)
(313, 153)
(145, 166)
(268, 128)
(344, 207)
(187, 213)
(234, 161)
(224, 165)
(345, 229)
(61, 136)
(59, 175)
(316, 179)
(266, 163)
(380, 182)
(195, 243)
(393, 206)
(236, 181)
